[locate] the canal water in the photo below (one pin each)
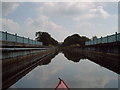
(76, 72)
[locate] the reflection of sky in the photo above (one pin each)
(84, 74)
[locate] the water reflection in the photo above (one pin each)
(13, 74)
(83, 74)
(78, 69)
(73, 55)
(48, 60)
(107, 61)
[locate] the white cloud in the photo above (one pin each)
(42, 23)
(99, 11)
(90, 29)
(63, 8)
(61, 1)
(10, 25)
(83, 10)
(13, 27)
(8, 7)
(94, 13)
(30, 26)
(61, 18)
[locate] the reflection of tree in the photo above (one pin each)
(48, 60)
(72, 55)
(108, 61)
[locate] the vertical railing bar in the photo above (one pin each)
(101, 39)
(28, 40)
(23, 39)
(6, 35)
(16, 37)
(116, 36)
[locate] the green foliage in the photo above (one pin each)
(45, 38)
(75, 39)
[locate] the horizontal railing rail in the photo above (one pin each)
(108, 39)
(15, 38)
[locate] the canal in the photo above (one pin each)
(74, 68)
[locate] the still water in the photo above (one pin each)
(82, 73)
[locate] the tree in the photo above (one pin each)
(45, 38)
(75, 39)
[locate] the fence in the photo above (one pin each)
(108, 39)
(14, 38)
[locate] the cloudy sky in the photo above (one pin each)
(60, 19)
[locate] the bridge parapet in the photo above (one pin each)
(11, 38)
(108, 39)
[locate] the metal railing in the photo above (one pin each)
(4, 36)
(108, 39)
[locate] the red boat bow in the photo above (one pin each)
(62, 85)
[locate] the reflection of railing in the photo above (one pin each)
(108, 39)
(14, 38)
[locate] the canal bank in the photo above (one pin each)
(108, 60)
(18, 62)
(82, 74)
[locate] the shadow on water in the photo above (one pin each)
(105, 60)
(13, 74)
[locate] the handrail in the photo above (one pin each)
(108, 39)
(15, 38)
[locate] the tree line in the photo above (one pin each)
(73, 40)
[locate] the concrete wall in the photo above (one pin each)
(106, 48)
